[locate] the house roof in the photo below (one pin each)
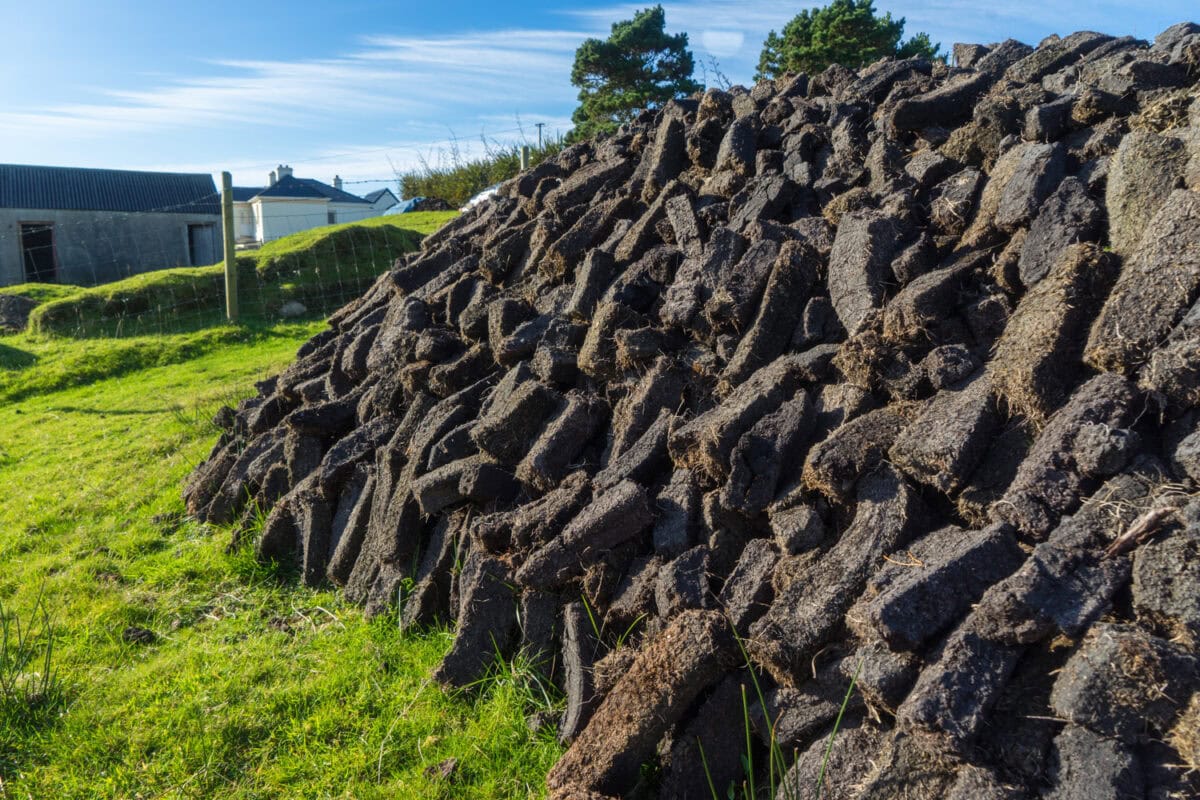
(244, 194)
(292, 187)
(371, 197)
(79, 189)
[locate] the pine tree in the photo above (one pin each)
(845, 32)
(636, 67)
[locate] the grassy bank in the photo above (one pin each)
(322, 268)
(246, 686)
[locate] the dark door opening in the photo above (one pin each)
(201, 251)
(37, 246)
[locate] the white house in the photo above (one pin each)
(290, 204)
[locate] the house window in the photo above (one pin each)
(37, 249)
(332, 217)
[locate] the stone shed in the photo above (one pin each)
(89, 226)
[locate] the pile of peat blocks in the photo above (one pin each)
(890, 376)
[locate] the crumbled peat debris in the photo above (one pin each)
(857, 375)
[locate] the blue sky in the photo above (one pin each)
(356, 87)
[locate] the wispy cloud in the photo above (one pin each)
(390, 77)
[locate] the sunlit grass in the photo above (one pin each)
(251, 686)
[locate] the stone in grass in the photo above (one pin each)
(14, 312)
(135, 634)
(1125, 683)
(691, 655)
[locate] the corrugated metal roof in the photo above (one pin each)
(292, 187)
(79, 189)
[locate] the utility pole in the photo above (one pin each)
(540, 125)
(231, 276)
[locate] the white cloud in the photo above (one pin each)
(451, 77)
(722, 43)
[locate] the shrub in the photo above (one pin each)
(459, 179)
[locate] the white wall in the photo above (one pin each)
(352, 212)
(275, 217)
(244, 226)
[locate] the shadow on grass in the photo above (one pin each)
(110, 412)
(14, 358)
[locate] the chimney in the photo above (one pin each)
(337, 182)
(271, 178)
(283, 171)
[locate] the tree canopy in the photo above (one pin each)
(638, 66)
(845, 32)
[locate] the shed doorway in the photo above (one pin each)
(37, 249)
(201, 244)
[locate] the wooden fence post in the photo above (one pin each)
(231, 276)
(524, 157)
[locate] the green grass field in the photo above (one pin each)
(249, 686)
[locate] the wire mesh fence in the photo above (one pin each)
(125, 274)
